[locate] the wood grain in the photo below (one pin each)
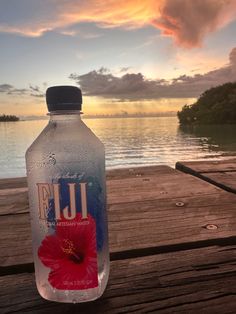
(221, 174)
(145, 212)
(209, 165)
(14, 183)
(14, 199)
(115, 174)
(167, 185)
(193, 281)
(134, 172)
(224, 180)
(143, 183)
(162, 227)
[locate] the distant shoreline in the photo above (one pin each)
(8, 118)
(122, 116)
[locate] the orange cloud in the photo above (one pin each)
(112, 13)
(188, 22)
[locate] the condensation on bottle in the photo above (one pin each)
(67, 195)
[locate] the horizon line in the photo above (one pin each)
(106, 116)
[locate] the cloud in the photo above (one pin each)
(124, 69)
(5, 88)
(31, 91)
(34, 88)
(17, 91)
(188, 22)
(137, 87)
(10, 90)
(71, 31)
(232, 57)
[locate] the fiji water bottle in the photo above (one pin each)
(67, 196)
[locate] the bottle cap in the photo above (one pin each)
(63, 98)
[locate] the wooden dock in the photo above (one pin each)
(172, 242)
(219, 173)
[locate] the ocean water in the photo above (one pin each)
(129, 142)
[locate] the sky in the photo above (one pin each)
(133, 56)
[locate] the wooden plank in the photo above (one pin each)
(144, 205)
(149, 187)
(21, 182)
(193, 281)
(208, 165)
(143, 183)
(15, 200)
(168, 184)
(224, 180)
(157, 223)
(133, 172)
(144, 212)
(12, 183)
(222, 174)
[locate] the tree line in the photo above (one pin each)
(6, 118)
(216, 105)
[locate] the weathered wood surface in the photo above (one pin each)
(13, 201)
(14, 191)
(210, 165)
(192, 281)
(115, 174)
(147, 211)
(13, 183)
(219, 173)
(172, 241)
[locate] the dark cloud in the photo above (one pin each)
(37, 95)
(33, 91)
(232, 57)
(34, 88)
(10, 90)
(125, 69)
(36, 91)
(4, 88)
(137, 87)
(17, 91)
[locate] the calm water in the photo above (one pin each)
(129, 142)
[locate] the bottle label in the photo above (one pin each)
(72, 211)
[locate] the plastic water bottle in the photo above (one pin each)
(67, 196)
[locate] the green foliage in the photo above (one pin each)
(6, 118)
(215, 106)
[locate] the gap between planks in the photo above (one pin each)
(172, 183)
(212, 176)
(195, 281)
(137, 253)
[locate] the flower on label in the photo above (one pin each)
(71, 254)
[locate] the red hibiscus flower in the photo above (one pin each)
(71, 254)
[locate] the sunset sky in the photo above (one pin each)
(127, 56)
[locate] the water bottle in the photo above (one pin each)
(67, 196)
